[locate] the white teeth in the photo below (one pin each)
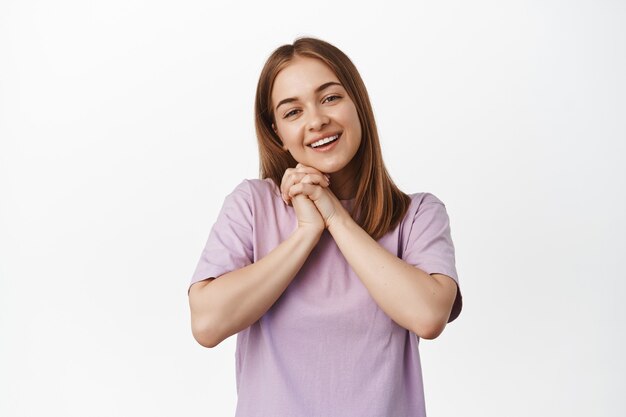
(324, 141)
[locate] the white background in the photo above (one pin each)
(124, 124)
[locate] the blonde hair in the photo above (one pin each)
(381, 204)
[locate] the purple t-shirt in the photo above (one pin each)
(325, 348)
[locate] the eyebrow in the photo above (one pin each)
(317, 90)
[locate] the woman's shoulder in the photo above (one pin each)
(424, 205)
(257, 189)
(424, 197)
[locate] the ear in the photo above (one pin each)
(281, 141)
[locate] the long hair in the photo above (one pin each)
(381, 204)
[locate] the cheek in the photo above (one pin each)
(350, 115)
(355, 122)
(281, 129)
(290, 135)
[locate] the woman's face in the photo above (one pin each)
(310, 105)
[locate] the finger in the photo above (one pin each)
(311, 190)
(320, 174)
(308, 170)
(287, 180)
(286, 198)
(296, 177)
(315, 179)
(288, 172)
(318, 179)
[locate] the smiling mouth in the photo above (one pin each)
(325, 141)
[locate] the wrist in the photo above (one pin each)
(309, 232)
(340, 221)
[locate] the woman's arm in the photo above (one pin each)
(411, 297)
(224, 306)
(414, 299)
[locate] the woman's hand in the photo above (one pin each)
(316, 190)
(307, 214)
(301, 173)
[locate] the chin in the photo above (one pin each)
(325, 166)
(328, 168)
(318, 166)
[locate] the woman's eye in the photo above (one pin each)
(295, 111)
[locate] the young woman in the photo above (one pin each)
(327, 272)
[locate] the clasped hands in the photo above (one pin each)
(307, 189)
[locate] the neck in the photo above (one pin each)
(343, 183)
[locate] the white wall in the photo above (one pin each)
(124, 124)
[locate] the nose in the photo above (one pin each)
(317, 119)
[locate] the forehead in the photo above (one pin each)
(300, 77)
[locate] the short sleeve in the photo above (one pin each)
(229, 246)
(430, 247)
